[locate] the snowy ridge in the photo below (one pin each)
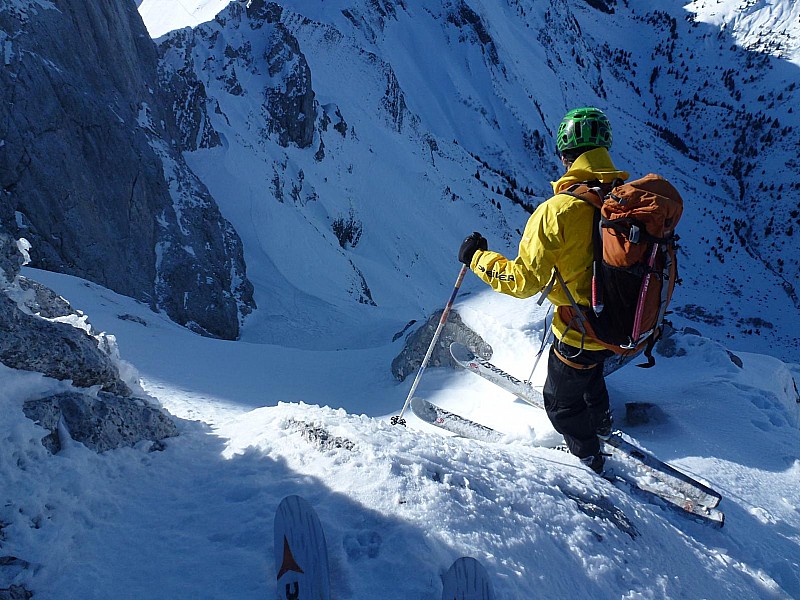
(770, 26)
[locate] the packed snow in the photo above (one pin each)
(260, 422)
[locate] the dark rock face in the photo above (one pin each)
(466, 19)
(92, 165)
(33, 343)
(288, 106)
(189, 104)
(606, 6)
(103, 423)
(418, 342)
(58, 350)
(16, 592)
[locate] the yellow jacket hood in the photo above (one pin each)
(595, 164)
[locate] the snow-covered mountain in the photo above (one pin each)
(352, 144)
(407, 153)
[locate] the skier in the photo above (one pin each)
(558, 235)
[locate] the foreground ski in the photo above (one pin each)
(467, 579)
(439, 417)
(301, 553)
(659, 496)
(691, 488)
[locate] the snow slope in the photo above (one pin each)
(196, 519)
(166, 15)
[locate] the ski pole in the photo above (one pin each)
(398, 419)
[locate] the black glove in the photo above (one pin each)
(470, 245)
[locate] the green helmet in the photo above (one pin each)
(586, 126)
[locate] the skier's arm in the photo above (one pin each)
(530, 272)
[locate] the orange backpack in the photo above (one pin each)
(635, 264)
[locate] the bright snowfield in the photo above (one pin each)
(768, 26)
(166, 15)
(259, 422)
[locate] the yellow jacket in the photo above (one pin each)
(558, 234)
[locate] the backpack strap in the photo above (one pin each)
(579, 318)
(633, 229)
(598, 301)
(597, 236)
(648, 349)
(671, 263)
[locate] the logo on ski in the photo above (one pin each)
(289, 562)
(477, 364)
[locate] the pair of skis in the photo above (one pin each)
(301, 560)
(667, 483)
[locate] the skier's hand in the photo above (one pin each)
(470, 245)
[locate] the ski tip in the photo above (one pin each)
(460, 352)
(467, 578)
(422, 408)
(417, 402)
(715, 518)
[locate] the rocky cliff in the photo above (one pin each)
(91, 164)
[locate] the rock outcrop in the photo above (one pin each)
(100, 423)
(418, 342)
(99, 410)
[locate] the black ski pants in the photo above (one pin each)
(575, 396)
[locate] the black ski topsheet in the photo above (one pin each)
(467, 579)
(301, 553)
(696, 490)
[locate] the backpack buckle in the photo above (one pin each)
(634, 234)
